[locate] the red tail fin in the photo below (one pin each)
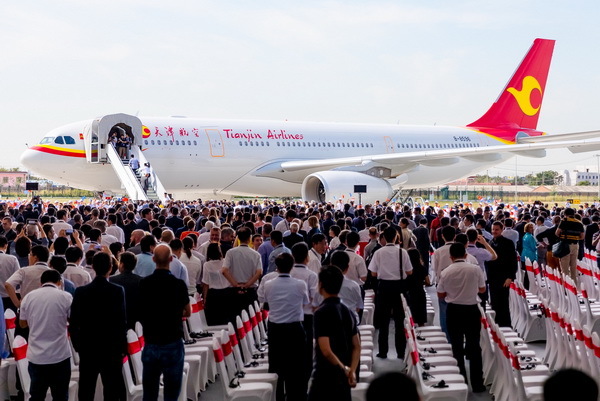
(520, 102)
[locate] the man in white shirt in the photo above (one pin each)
(61, 223)
(8, 266)
(74, 271)
(391, 265)
(357, 271)
(28, 278)
(285, 224)
(242, 267)
(45, 311)
(460, 285)
(301, 272)
(105, 238)
(113, 229)
(317, 252)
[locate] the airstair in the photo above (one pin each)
(98, 150)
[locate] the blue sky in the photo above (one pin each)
(432, 62)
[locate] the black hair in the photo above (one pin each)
(50, 276)
(331, 278)
(284, 262)
(457, 250)
(129, 261)
(341, 259)
(101, 263)
(300, 252)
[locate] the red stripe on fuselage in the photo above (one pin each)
(68, 153)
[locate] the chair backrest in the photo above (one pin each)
(235, 346)
(126, 370)
(134, 349)
(10, 319)
(202, 315)
(248, 327)
(228, 353)
(139, 330)
(219, 360)
(194, 320)
(243, 338)
(20, 353)
(254, 321)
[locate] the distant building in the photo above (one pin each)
(588, 176)
(12, 179)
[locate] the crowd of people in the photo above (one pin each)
(99, 268)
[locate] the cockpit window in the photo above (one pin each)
(69, 140)
(48, 139)
(59, 140)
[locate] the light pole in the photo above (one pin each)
(598, 158)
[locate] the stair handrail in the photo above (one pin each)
(126, 176)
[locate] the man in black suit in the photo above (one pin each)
(98, 330)
(174, 222)
(7, 231)
(131, 284)
(147, 216)
(294, 236)
(501, 272)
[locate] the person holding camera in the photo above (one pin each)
(570, 230)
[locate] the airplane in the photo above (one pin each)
(323, 162)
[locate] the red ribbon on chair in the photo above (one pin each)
(588, 342)
(412, 321)
(515, 362)
(125, 359)
(218, 353)
(585, 271)
(195, 308)
(133, 347)
(241, 332)
(233, 340)
(259, 317)
(579, 335)
(569, 328)
(227, 348)
(584, 294)
(414, 357)
(265, 314)
(254, 321)
(11, 323)
(141, 341)
(200, 303)
(20, 352)
(247, 326)
(597, 351)
(484, 322)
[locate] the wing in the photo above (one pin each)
(398, 163)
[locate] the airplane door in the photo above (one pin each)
(389, 144)
(215, 142)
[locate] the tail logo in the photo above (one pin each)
(523, 96)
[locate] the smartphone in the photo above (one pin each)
(32, 221)
(69, 232)
(98, 247)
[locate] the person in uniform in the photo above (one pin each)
(286, 297)
(459, 284)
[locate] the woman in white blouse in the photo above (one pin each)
(217, 290)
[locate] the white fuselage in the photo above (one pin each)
(198, 157)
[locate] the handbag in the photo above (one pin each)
(561, 249)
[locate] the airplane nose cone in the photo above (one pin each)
(28, 159)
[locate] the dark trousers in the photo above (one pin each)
(54, 376)
(464, 327)
(329, 385)
(109, 368)
(168, 361)
(309, 348)
(389, 305)
(218, 308)
(287, 359)
(243, 299)
(499, 302)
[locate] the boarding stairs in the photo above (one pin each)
(131, 180)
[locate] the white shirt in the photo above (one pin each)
(461, 282)
(441, 259)
(46, 310)
(286, 297)
(116, 232)
(212, 275)
(386, 263)
(77, 275)
(283, 226)
(28, 278)
(314, 261)
(8, 266)
(311, 279)
(107, 239)
(243, 262)
(364, 235)
(194, 268)
(61, 225)
(357, 267)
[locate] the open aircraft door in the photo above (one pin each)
(96, 135)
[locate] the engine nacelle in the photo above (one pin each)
(331, 186)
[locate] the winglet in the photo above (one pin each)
(519, 104)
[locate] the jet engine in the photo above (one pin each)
(331, 186)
